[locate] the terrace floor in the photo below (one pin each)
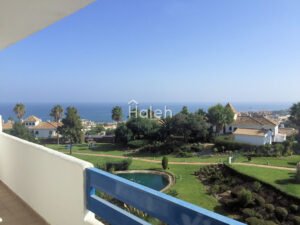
(13, 211)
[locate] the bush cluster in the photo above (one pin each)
(137, 143)
(117, 166)
(254, 202)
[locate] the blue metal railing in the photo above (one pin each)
(168, 209)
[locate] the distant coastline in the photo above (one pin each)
(101, 112)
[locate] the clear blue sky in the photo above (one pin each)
(160, 51)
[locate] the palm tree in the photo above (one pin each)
(19, 110)
(56, 113)
(117, 114)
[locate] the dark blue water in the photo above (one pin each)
(101, 112)
(154, 181)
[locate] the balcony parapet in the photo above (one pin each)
(168, 209)
(50, 182)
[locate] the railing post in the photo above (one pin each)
(1, 123)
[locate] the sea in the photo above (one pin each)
(101, 112)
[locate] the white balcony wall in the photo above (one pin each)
(51, 183)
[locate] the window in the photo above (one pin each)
(230, 128)
(36, 132)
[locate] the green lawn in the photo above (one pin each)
(189, 188)
(103, 148)
(285, 161)
(187, 185)
(281, 179)
(113, 149)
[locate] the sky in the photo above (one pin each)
(160, 51)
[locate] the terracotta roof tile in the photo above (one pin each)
(250, 132)
(249, 120)
(8, 125)
(46, 126)
(32, 119)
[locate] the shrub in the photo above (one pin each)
(294, 208)
(197, 148)
(298, 173)
(137, 143)
(182, 154)
(165, 162)
(256, 186)
(215, 150)
(249, 158)
(257, 221)
(232, 145)
(214, 189)
(186, 148)
(259, 200)
(269, 208)
(281, 213)
(249, 212)
(279, 148)
(116, 166)
(245, 197)
(296, 220)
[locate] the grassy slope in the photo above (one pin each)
(281, 179)
(286, 161)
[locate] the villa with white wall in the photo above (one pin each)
(39, 128)
(256, 130)
(42, 129)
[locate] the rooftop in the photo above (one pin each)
(250, 132)
(258, 120)
(32, 119)
(47, 125)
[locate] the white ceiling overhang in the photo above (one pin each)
(21, 18)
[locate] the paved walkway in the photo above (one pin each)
(266, 166)
(183, 163)
(143, 160)
(13, 211)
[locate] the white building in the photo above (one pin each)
(41, 129)
(253, 136)
(256, 130)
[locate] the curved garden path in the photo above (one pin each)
(143, 160)
(265, 166)
(182, 163)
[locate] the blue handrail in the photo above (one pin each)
(168, 209)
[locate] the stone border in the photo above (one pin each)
(170, 177)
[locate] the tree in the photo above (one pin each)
(96, 130)
(20, 131)
(201, 112)
(185, 110)
(219, 116)
(295, 114)
(71, 128)
(56, 113)
(19, 110)
(117, 114)
(192, 127)
(165, 162)
(143, 127)
(123, 134)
